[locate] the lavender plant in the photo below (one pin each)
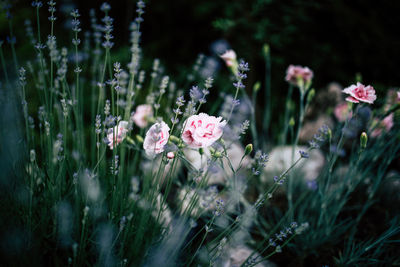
(105, 165)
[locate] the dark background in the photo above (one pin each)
(335, 38)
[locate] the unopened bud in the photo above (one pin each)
(358, 77)
(363, 140)
(212, 150)
(218, 154)
(85, 211)
(256, 87)
(139, 138)
(248, 149)
(170, 155)
(266, 50)
(174, 139)
(130, 140)
(291, 122)
(181, 145)
(201, 151)
(33, 155)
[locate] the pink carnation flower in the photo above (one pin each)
(342, 112)
(117, 133)
(202, 130)
(361, 93)
(229, 57)
(156, 138)
(294, 74)
(385, 125)
(142, 114)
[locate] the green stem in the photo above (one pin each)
(301, 118)
(202, 241)
(3, 63)
(13, 46)
(267, 110)
(286, 117)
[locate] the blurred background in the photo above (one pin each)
(335, 38)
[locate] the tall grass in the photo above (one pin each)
(79, 189)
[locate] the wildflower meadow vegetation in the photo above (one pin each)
(108, 161)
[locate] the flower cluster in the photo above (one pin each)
(180, 100)
(261, 160)
(323, 134)
(294, 228)
(219, 209)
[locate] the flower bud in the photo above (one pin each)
(212, 150)
(358, 77)
(363, 140)
(139, 139)
(248, 149)
(33, 155)
(266, 50)
(130, 140)
(218, 154)
(174, 139)
(170, 155)
(181, 145)
(256, 87)
(291, 122)
(201, 151)
(85, 211)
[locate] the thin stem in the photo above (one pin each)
(3, 63)
(267, 110)
(233, 104)
(286, 117)
(13, 46)
(202, 241)
(301, 118)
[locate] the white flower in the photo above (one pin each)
(142, 114)
(117, 133)
(156, 138)
(229, 57)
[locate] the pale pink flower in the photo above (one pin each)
(156, 138)
(142, 114)
(229, 57)
(398, 96)
(384, 125)
(298, 74)
(117, 134)
(342, 112)
(361, 93)
(202, 130)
